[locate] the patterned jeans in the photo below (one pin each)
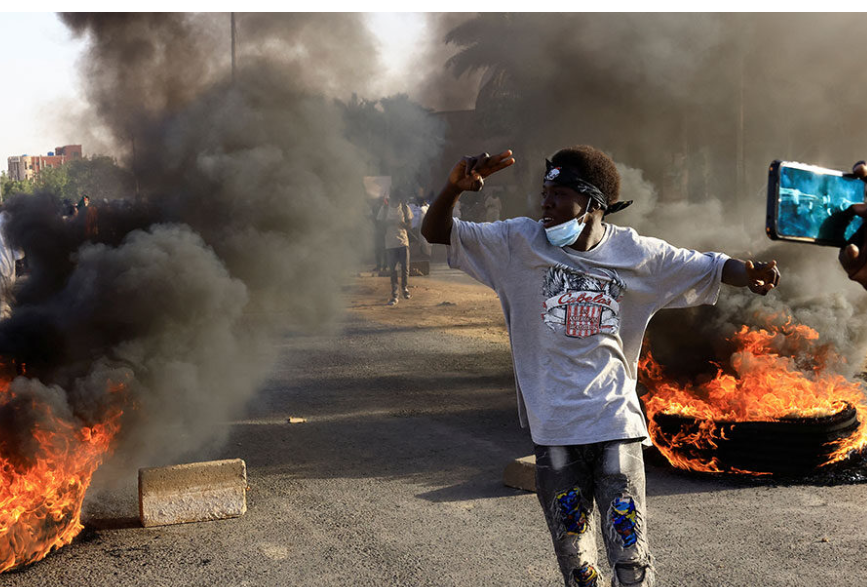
(569, 479)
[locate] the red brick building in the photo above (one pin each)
(27, 167)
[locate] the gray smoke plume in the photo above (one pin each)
(432, 83)
(244, 222)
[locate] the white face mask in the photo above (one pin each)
(565, 234)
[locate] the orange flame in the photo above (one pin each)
(40, 503)
(775, 374)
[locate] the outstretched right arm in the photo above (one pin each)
(468, 174)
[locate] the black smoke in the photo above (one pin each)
(244, 221)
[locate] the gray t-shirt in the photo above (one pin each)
(576, 319)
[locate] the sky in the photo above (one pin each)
(43, 87)
(41, 83)
(397, 32)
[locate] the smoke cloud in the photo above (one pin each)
(244, 222)
(432, 82)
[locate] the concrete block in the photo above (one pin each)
(521, 473)
(194, 492)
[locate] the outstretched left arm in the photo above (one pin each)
(759, 277)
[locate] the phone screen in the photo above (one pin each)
(812, 202)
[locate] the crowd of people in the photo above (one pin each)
(82, 217)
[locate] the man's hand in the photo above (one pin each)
(852, 257)
(762, 277)
(469, 174)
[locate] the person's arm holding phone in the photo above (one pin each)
(853, 257)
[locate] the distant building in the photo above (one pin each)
(17, 167)
(27, 167)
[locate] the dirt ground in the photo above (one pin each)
(446, 300)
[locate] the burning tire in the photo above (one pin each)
(791, 446)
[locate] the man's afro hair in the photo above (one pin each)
(594, 166)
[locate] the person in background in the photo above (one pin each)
(493, 207)
(419, 207)
(8, 257)
(397, 218)
(379, 233)
(88, 216)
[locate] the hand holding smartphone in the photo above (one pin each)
(811, 204)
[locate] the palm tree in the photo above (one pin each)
(487, 44)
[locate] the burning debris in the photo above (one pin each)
(139, 337)
(45, 468)
(775, 405)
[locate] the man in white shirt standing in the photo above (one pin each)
(8, 256)
(397, 218)
(577, 294)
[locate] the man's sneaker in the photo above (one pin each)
(406, 295)
(392, 301)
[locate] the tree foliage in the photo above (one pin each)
(53, 180)
(99, 177)
(399, 137)
(10, 187)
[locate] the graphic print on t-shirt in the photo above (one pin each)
(582, 304)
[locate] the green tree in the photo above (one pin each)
(10, 187)
(99, 177)
(53, 180)
(399, 137)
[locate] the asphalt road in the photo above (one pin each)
(395, 479)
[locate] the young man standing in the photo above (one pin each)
(577, 295)
(397, 218)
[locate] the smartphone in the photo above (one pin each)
(809, 204)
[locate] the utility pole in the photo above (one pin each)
(135, 170)
(740, 24)
(233, 47)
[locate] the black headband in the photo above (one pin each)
(570, 178)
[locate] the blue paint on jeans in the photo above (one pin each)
(572, 513)
(585, 576)
(625, 520)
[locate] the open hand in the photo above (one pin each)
(762, 277)
(470, 172)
